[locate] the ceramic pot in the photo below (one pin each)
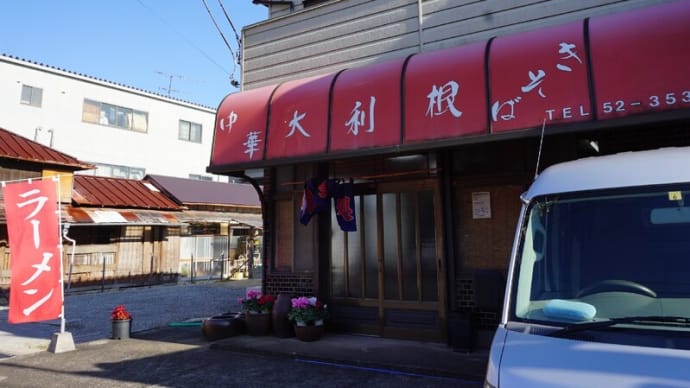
(257, 323)
(282, 327)
(222, 326)
(309, 333)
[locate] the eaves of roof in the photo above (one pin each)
(13, 146)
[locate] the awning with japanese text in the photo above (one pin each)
(576, 74)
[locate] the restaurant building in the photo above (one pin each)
(425, 121)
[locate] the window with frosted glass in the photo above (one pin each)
(409, 239)
(390, 246)
(370, 224)
(427, 249)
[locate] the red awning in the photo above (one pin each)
(240, 133)
(298, 124)
(445, 94)
(539, 75)
(638, 59)
(366, 107)
(641, 60)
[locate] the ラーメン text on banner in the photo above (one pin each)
(34, 239)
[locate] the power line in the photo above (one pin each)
(232, 25)
(221, 33)
(186, 39)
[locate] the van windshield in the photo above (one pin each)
(605, 254)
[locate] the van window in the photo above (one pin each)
(613, 253)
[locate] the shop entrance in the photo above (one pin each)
(387, 278)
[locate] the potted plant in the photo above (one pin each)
(255, 303)
(309, 314)
(121, 320)
(257, 312)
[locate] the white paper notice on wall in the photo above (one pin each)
(481, 205)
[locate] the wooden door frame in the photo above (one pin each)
(380, 303)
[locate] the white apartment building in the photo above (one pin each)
(126, 132)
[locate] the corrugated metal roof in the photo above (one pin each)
(192, 191)
(118, 193)
(13, 146)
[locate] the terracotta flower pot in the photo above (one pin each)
(309, 333)
(222, 326)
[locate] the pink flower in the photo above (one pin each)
(300, 303)
(307, 309)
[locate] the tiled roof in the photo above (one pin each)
(118, 193)
(192, 191)
(13, 146)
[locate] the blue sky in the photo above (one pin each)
(153, 45)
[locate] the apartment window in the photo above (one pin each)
(97, 112)
(115, 171)
(189, 131)
(31, 95)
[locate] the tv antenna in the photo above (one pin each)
(169, 90)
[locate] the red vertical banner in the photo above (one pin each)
(33, 231)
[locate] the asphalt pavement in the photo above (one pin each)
(168, 349)
(87, 314)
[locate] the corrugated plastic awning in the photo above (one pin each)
(200, 216)
(111, 216)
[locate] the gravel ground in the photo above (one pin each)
(88, 314)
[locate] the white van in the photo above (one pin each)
(598, 291)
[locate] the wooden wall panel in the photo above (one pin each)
(486, 243)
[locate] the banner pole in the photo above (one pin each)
(60, 249)
(62, 341)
